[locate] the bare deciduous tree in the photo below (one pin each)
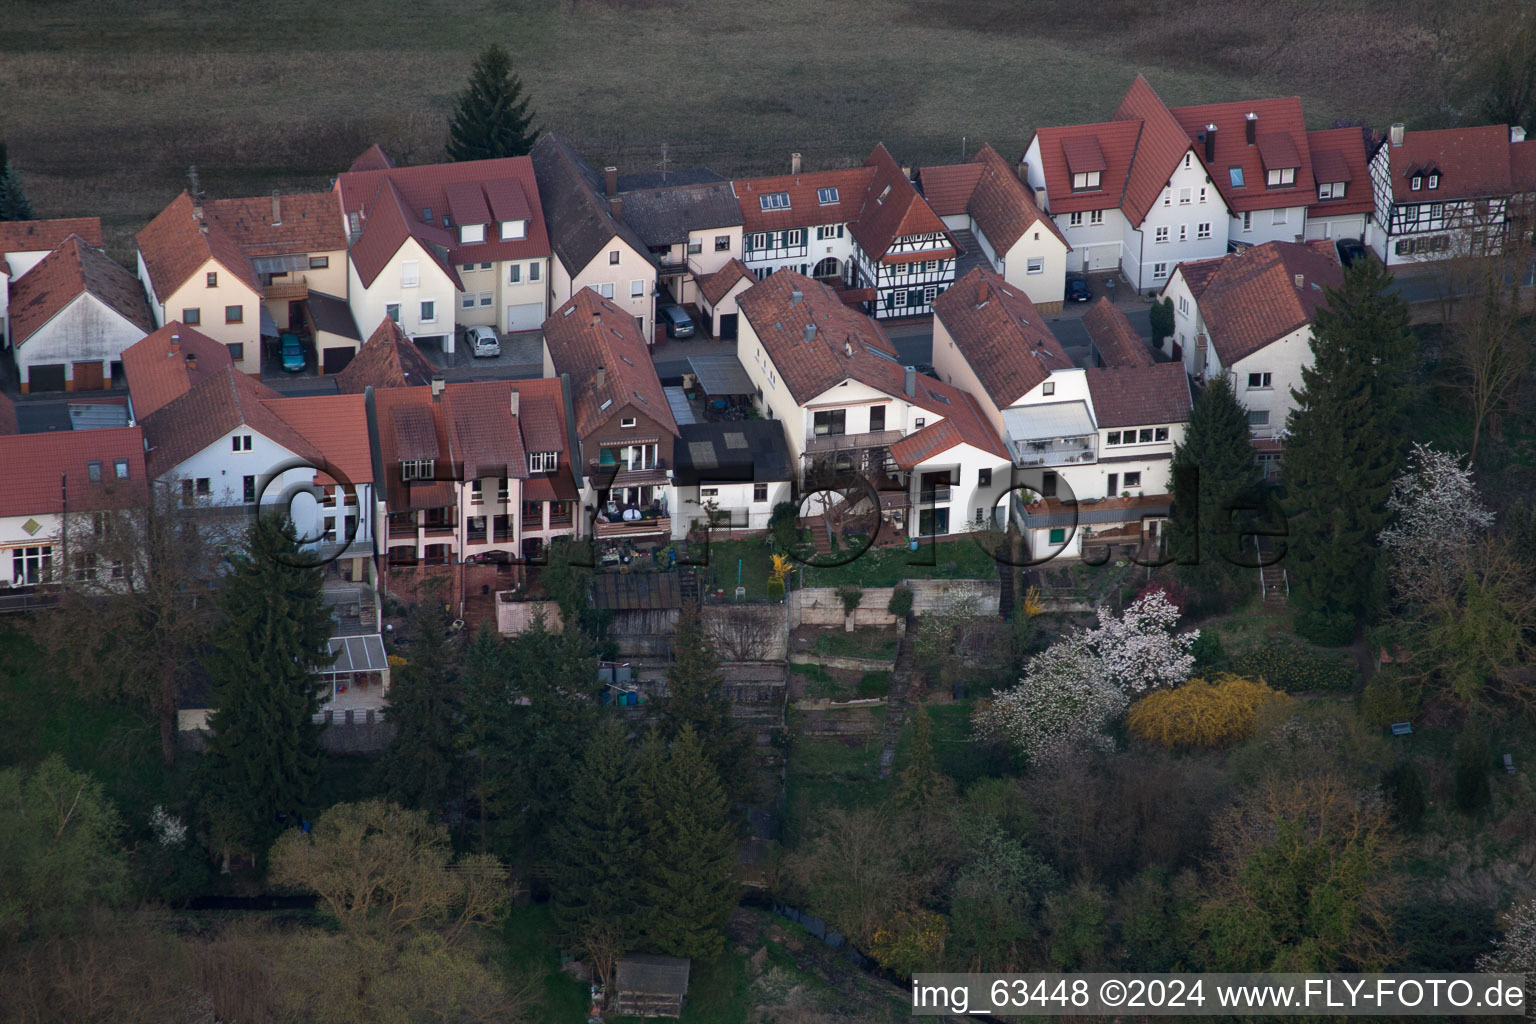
(744, 632)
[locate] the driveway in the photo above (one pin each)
(522, 358)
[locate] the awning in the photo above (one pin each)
(721, 374)
(268, 325)
(1039, 422)
(279, 264)
(357, 654)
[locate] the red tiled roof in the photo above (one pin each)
(1002, 336)
(308, 222)
(1522, 165)
(224, 400)
(805, 210)
(718, 285)
(8, 423)
(948, 187)
(963, 423)
(1158, 152)
(47, 235)
(388, 359)
(1253, 299)
(488, 441)
(372, 159)
(1116, 141)
(1198, 273)
(893, 209)
(1114, 337)
(174, 249)
(42, 468)
(1471, 162)
(1003, 206)
(1280, 141)
(411, 427)
(587, 334)
(1083, 155)
(73, 269)
(157, 375)
(337, 427)
(387, 228)
(1134, 396)
(1338, 154)
(509, 192)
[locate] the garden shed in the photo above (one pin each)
(651, 986)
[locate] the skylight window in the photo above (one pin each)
(883, 194)
(826, 196)
(606, 403)
(774, 200)
(1236, 174)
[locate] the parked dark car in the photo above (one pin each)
(1351, 251)
(1078, 290)
(679, 323)
(292, 354)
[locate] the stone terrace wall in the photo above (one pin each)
(820, 606)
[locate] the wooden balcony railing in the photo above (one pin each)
(635, 528)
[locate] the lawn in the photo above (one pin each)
(865, 642)
(753, 559)
(530, 945)
(961, 558)
(828, 772)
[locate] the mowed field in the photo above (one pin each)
(106, 104)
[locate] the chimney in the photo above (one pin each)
(1301, 281)
(1516, 133)
(810, 333)
(1251, 127)
(437, 388)
(983, 292)
(175, 343)
(191, 362)
(610, 181)
(794, 163)
(277, 208)
(597, 319)
(1396, 135)
(600, 379)
(910, 385)
(616, 207)
(513, 400)
(1210, 143)
(1024, 171)
(906, 172)
(795, 297)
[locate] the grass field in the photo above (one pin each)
(106, 104)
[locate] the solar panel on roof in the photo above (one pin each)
(735, 439)
(703, 454)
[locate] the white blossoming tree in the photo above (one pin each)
(1072, 691)
(1515, 953)
(1436, 517)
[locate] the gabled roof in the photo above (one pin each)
(487, 440)
(637, 180)
(1158, 152)
(665, 216)
(589, 338)
(1522, 165)
(224, 400)
(718, 285)
(581, 223)
(1115, 142)
(167, 364)
(1253, 297)
(893, 209)
(963, 423)
(1135, 396)
(72, 270)
(1338, 154)
(1003, 206)
(47, 235)
(411, 427)
(1001, 335)
(805, 208)
(1114, 337)
(372, 159)
(948, 187)
(1471, 162)
(388, 227)
(306, 222)
(505, 188)
(8, 424)
(1198, 273)
(336, 426)
(1280, 141)
(41, 469)
(332, 315)
(175, 245)
(388, 359)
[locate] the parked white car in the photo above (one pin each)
(483, 341)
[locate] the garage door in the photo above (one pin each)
(46, 377)
(334, 360)
(727, 325)
(528, 317)
(88, 376)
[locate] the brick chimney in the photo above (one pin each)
(191, 362)
(600, 379)
(1251, 127)
(794, 163)
(514, 401)
(616, 207)
(983, 292)
(1210, 143)
(175, 344)
(438, 384)
(277, 207)
(610, 181)
(1396, 135)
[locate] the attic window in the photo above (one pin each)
(627, 360)
(1282, 177)
(938, 397)
(569, 311)
(120, 467)
(426, 215)
(1235, 174)
(774, 200)
(826, 196)
(93, 471)
(1416, 183)
(1086, 181)
(1434, 181)
(627, 423)
(885, 192)
(469, 234)
(513, 229)
(606, 403)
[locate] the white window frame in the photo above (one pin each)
(428, 311)
(1184, 304)
(514, 273)
(1281, 177)
(1086, 181)
(1074, 220)
(1159, 271)
(1186, 193)
(513, 230)
(1258, 418)
(1095, 216)
(1161, 236)
(1434, 181)
(471, 234)
(1034, 265)
(410, 274)
(1281, 215)
(240, 443)
(605, 289)
(392, 311)
(827, 196)
(637, 288)
(1265, 381)
(1415, 184)
(467, 300)
(1203, 229)
(1183, 232)
(1247, 220)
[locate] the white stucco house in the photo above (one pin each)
(739, 469)
(24, 243)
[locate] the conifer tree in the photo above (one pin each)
(419, 762)
(696, 697)
(596, 843)
(485, 724)
(264, 754)
(491, 118)
(923, 787)
(690, 884)
(13, 199)
(1212, 468)
(1345, 442)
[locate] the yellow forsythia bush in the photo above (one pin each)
(913, 941)
(1201, 714)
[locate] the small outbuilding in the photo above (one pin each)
(651, 986)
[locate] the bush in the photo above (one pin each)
(782, 525)
(1330, 629)
(1403, 788)
(900, 604)
(775, 590)
(1201, 715)
(1389, 698)
(1207, 650)
(851, 597)
(1295, 669)
(874, 684)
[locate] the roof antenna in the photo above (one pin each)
(662, 163)
(962, 149)
(196, 192)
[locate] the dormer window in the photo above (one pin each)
(511, 230)
(1434, 181)
(1331, 190)
(1416, 184)
(1282, 177)
(1086, 181)
(470, 234)
(417, 469)
(826, 196)
(543, 462)
(774, 201)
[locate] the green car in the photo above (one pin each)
(293, 354)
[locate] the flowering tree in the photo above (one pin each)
(1515, 953)
(1436, 516)
(1084, 681)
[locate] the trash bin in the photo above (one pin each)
(912, 544)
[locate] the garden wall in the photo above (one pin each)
(820, 606)
(512, 617)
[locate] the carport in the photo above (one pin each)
(722, 378)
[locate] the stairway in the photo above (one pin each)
(1273, 581)
(896, 702)
(688, 585)
(821, 536)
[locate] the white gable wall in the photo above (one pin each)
(1148, 263)
(86, 330)
(370, 305)
(1048, 285)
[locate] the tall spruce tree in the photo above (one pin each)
(491, 118)
(1345, 442)
(690, 882)
(696, 697)
(485, 723)
(419, 762)
(597, 841)
(1212, 469)
(264, 753)
(923, 789)
(13, 199)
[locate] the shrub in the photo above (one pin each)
(874, 684)
(1330, 629)
(900, 604)
(1389, 698)
(1207, 650)
(1295, 669)
(1472, 793)
(1201, 715)
(1176, 595)
(851, 597)
(1403, 788)
(782, 525)
(775, 590)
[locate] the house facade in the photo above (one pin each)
(24, 243)
(730, 475)
(1343, 201)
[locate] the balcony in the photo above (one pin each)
(292, 286)
(624, 476)
(1054, 451)
(934, 496)
(817, 444)
(658, 525)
